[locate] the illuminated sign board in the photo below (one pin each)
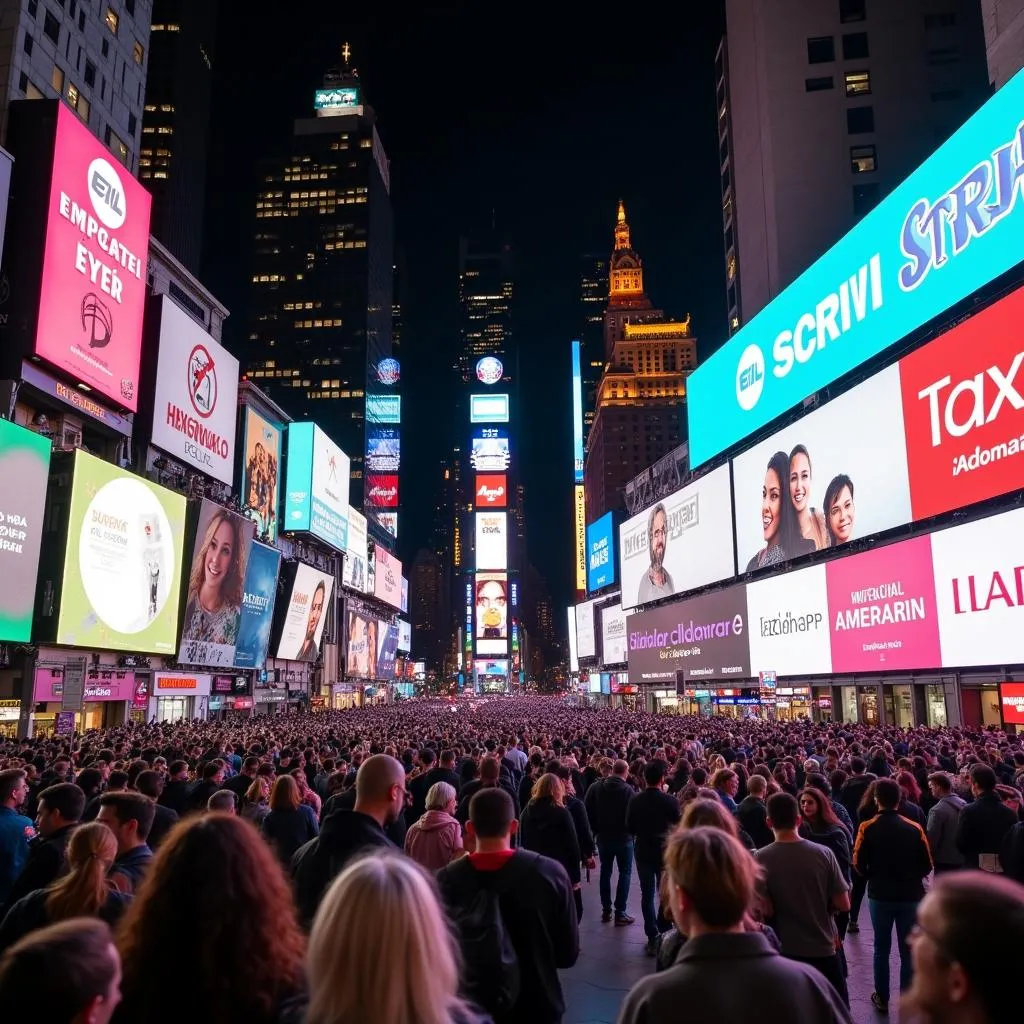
(577, 414)
(490, 451)
(384, 408)
(316, 487)
(492, 540)
(383, 450)
(389, 371)
(580, 501)
(489, 408)
(261, 472)
(949, 228)
(600, 553)
(491, 490)
(489, 370)
(340, 100)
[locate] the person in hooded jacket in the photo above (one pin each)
(546, 827)
(436, 838)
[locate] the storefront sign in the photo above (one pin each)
(789, 623)
(78, 400)
(242, 703)
(165, 683)
(1011, 702)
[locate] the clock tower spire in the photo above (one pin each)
(626, 278)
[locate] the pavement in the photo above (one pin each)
(612, 960)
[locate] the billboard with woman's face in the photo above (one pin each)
(361, 654)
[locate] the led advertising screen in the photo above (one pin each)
(574, 659)
(704, 638)
(405, 594)
(387, 520)
(601, 553)
(261, 472)
(489, 408)
(922, 249)
(316, 488)
(353, 572)
(613, 635)
(490, 451)
(383, 450)
(257, 606)
(404, 635)
(1011, 702)
(387, 577)
(361, 655)
(336, 98)
(579, 496)
(305, 614)
(577, 414)
(586, 640)
(833, 476)
(383, 408)
(381, 490)
(491, 606)
(216, 585)
(491, 540)
(93, 290)
(491, 490)
(196, 396)
(25, 468)
(122, 566)
(387, 649)
(489, 370)
(679, 544)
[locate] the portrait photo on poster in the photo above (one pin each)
(306, 614)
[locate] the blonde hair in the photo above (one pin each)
(439, 796)
(379, 911)
(83, 891)
(549, 786)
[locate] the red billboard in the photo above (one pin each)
(381, 490)
(93, 287)
(1011, 701)
(491, 490)
(963, 410)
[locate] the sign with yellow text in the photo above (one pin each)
(581, 540)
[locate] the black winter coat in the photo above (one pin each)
(548, 829)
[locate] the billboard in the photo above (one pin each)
(316, 486)
(586, 639)
(383, 408)
(680, 543)
(387, 520)
(261, 472)
(491, 540)
(577, 415)
(216, 585)
(305, 614)
(574, 660)
(25, 468)
(1011, 702)
(948, 229)
(837, 474)
(122, 565)
(580, 536)
(404, 635)
(704, 638)
(381, 490)
(353, 572)
(491, 589)
(490, 451)
(489, 408)
(613, 635)
(257, 606)
(491, 490)
(489, 370)
(362, 651)
(601, 553)
(195, 396)
(383, 450)
(336, 98)
(93, 289)
(387, 577)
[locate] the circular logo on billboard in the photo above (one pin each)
(489, 370)
(750, 377)
(202, 381)
(107, 193)
(388, 371)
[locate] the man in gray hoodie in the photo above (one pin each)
(942, 822)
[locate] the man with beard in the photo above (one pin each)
(656, 581)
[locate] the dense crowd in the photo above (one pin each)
(423, 863)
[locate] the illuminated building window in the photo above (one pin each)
(139, 53)
(119, 148)
(858, 83)
(110, 19)
(78, 102)
(863, 159)
(57, 79)
(165, 130)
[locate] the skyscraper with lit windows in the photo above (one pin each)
(485, 301)
(593, 302)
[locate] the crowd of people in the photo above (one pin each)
(423, 863)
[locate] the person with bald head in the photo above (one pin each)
(380, 800)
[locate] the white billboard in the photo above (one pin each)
(353, 572)
(306, 614)
(613, 635)
(586, 641)
(195, 401)
(404, 635)
(492, 540)
(574, 660)
(679, 544)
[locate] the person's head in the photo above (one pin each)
(887, 795)
(490, 771)
(380, 911)
(983, 779)
(217, 569)
(705, 813)
(726, 781)
(549, 787)
(67, 973)
(448, 759)
(13, 787)
(218, 870)
(316, 610)
(783, 813)
(178, 770)
(491, 603)
(442, 797)
(213, 771)
(840, 512)
(59, 806)
(757, 787)
(150, 783)
(815, 808)
(654, 774)
(657, 535)
(259, 790)
(90, 780)
(858, 765)
(620, 768)
(772, 495)
(285, 796)
(222, 802)
(91, 851)
(492, 821)
(129, 816)
(966, 950)
(380, 788)
(799, 478)
(250, 766)
(427, 757)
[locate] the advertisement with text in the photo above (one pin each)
(491, 490)
(361, 656)
(353, 572)
(316, 490)
(586, 638)
(613, 635)
(601, 553)
(261, 472)
(305, 614)
(491, 540)
(258, 599)
(491, 589)
(387, 577)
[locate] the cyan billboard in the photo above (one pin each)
(577, 413)
(600, 553)
(948, 229)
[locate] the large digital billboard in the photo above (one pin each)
(261, 472)
(383, 450)
(489, 408)
(613, 635)
(383, 408)
(354, 571)
(679, 544)
(490, 451)
(25, 468)
(574, 660)
(316, 487)
(833, 476)
(195, 396)
(586, 638)
(577, 415)
(387, 577)
(93, 289)
(257, 606)
(381, 490)
(491, 490)
(491, 540)
(948, 229)
(601, 553)
(305, 614)
(372, 645)
(491, 599)
(122, 565)
(579, 496)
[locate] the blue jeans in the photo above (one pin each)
(616, 850)
(649, 873)
(885, 914)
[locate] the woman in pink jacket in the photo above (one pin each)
(436, 839)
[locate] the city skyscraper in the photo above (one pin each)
(639, 414)
(428, 610)
(323, 274)
(485, 301)
(593, 302)
(823, 108)
(176, 123)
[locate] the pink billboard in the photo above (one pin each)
(101, 685)
(93, 287)
(882, 609)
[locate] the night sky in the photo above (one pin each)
(545, 121)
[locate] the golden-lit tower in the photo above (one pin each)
(626, 284)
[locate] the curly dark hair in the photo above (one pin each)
(216, 890)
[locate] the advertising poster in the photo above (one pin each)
(257, 606)
(491, 597)
(574, 658)
(405, 594)
(353, 572)
(387, 577)
(195, 397)
(383, 408)
(491, 490)
(261, 473)
(387, 650)
(361, 655)
(1011, 703)
(788, 623)
(316, 491)
(404, 635)
(306, 614)
(122, 567)
(580, 536)
(383, 450)
(94, 265)
(216, 585)
(489, 408)
(382, 490)
(704, 638)
(613, 635)
(24, 459)
(586, 640)
(491, 540)
(835, 475)
(964, 411)
(679, 544)
(600, 553)
(979, 586)
(882, 611)
(490, 451)
(387, 520)
(577, 415)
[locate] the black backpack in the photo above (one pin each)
(490, 965)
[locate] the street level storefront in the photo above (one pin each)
(180, 696)
(270, 701)
(107, 698)
(10, 712)
(230, 694)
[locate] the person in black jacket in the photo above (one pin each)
(177, 788)
(213, 779)
(984, 822)
(574, 805)
(607, 802)
(150, 783)
(490, 777)
(752, 813)
(546, 827)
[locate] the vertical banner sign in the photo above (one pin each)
(577, 415)
(581, 539)
(73, 693)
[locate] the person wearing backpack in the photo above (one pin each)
(514, 914)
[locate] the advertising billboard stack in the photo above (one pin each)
(579, 493)
(372, 646)
(383, 454)
(316, 486)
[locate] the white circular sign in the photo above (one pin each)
(107, 193)
(750, 377)
(489, 370)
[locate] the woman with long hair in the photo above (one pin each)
(546, 827)
(910, 798)
(257, 801)
(820, 824)
(82, 892)
(810, 521)
(866, 810)
(214, 889)
(290, 823)
(379, 912)
(213, 607)
(779, 526)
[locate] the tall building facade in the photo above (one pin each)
(176, 123)
(427, 608)
(805, 154)
(593, 303)
(93, 56)
(639, 414)
(323, 274)
(486, 276)
(1004, 38)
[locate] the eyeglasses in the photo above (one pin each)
(919, 931)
